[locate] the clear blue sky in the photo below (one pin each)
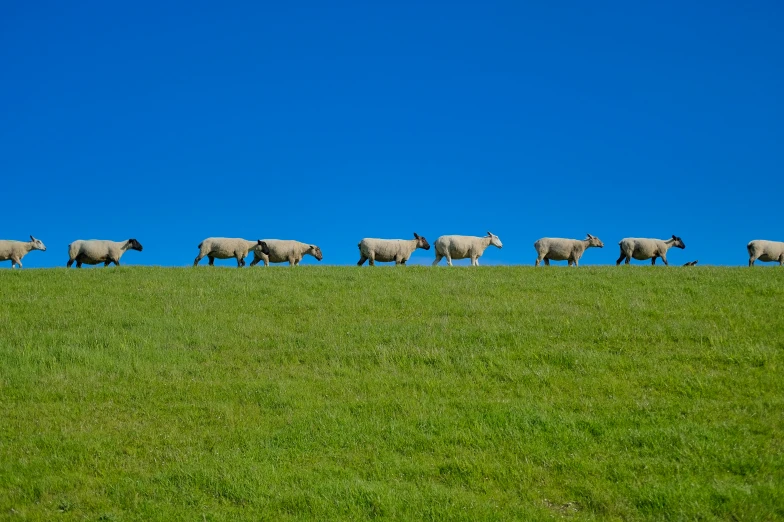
(171, 123)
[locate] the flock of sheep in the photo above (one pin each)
(96, 251)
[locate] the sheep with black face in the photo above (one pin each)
(96, 251)
(644, 248)
(385, 250)
(282, 250)
(228, 247)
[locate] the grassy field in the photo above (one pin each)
(417, 393)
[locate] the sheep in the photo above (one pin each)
(397, 250)
(16, 250)
(461, 247)
(691, 263)
(282, 250)
(558, 249)
(228, 247)
(643, 248)
(96, 251)
(765, 251)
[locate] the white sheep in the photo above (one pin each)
(559, 249)
(282, 250)
(228, 247)
(765, 251)
(16, 250)
(96, 251)
(644, 248)
(384, 250)
(462, 247)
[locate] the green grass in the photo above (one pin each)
(417, 393)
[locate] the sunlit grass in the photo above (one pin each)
(400, 393)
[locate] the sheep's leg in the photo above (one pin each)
(107, 263)
(621, 259)
(781, 261)
(70, 262)
(211, 260)
(292, 261)
(256, 260)
(17, 261)
(240, 260)
(546, 262)
(266, 261)
(653, 260)
(372, 259)
(664, 260)
(448, 260)
(78, 264)
(475, 260)
(438, 258)
(362, 260)
(198, 258)
(116, 262)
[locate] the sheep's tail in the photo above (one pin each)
(748, 247)
(200, 244)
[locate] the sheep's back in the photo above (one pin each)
(763, 247)
(223, 247)
(92, 249)
(556, 248)
(8, 247)
(281, 249)
(384, 249)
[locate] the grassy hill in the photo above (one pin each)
(416, 393)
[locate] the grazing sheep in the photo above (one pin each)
(643, 248)
(16, 250)
(384, 250)
(765, 251)
(96, 251)
(282, 250)
(461, 247)
(558, 249)
(228, 247)
(691, 263)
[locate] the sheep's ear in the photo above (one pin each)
(489, 234)
(32, 238)
(673, 236)
(416, 235)
(590, 236)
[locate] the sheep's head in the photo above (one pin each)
(37, 244)
(594, 241)
(678, 242)
(134, 245)
(316, 252)
(421, 241)
(494, 240)
(262, 245)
